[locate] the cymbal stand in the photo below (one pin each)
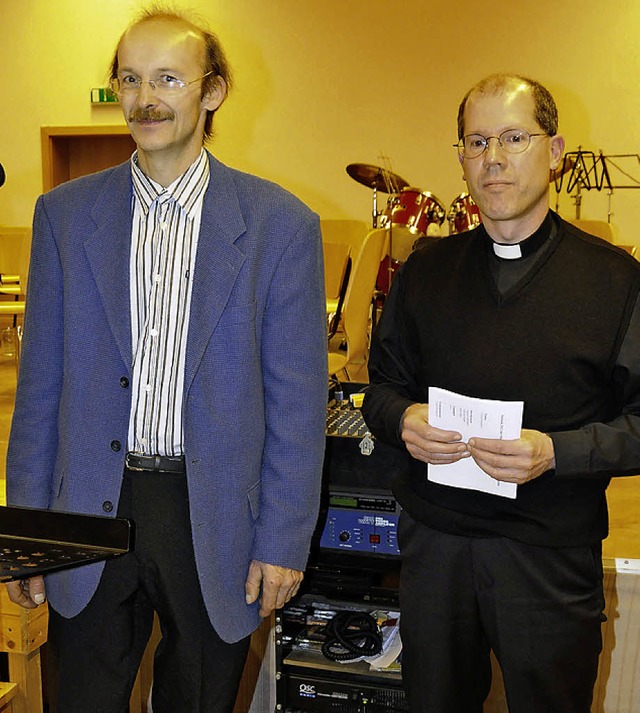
(382, 173)
(392, 189)
(375, 207)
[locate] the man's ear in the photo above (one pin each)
(556, 150)
(216, 95)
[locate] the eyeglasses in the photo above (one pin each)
(511, 141)
(164, 84)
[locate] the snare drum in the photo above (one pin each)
(463, 214)
(413, 209)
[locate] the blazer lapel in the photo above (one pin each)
(108, 249)
(218, 262)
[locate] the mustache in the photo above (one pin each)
(150, 115)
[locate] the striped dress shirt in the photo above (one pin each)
(164, 240)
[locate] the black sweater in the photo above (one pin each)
(555, 339)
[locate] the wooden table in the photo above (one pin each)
(22, 633)
(8, 692)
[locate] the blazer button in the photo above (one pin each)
(107, 506)
(116, 446)
(124, 382)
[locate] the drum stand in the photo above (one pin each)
(393, 200)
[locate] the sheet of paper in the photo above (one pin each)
(484, 418)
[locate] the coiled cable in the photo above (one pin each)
(350, 635)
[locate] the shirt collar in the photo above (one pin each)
(187, 190)
(526, 247)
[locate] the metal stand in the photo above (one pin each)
(587, 171)
(375, 207)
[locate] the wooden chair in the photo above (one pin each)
(352, 348)
(337, 267)
(600, 228)
(631, 249)
(606, 231)
(15, 248)
(14, 309)
(350, 232)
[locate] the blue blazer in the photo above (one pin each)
(255, 378)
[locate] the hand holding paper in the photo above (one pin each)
(427, 443)
(515, 461)
(483, 422)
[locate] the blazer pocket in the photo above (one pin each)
(58, 480)
(237, 314)
(253, 495)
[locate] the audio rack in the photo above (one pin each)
(354, 565)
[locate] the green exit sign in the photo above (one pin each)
(103, 95)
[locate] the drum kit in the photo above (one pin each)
(411, 216)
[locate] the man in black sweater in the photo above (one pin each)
(523, 308)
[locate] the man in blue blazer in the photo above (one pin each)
(174, 332)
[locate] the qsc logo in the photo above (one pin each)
(307, 690)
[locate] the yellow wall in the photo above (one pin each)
(320, 85)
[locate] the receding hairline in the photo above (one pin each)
(499, 84)
(158, 12)
(168, 19)
(496, 85)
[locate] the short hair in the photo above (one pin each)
(545, 109)
(214, 60)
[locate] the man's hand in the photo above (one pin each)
(28, 593)
(516, 461)
(279, 584)
(427, 443)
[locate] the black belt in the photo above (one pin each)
(157, 464)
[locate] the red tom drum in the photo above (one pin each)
(463, 214)
(413, 209)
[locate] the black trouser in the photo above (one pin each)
(540, 609)
(94, 656)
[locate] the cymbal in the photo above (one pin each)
(376, 177)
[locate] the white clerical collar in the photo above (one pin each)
(526, 247)
(507, 252)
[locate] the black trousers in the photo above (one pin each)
(94, 657)
(539, 609)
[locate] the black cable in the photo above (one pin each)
(350, 635)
